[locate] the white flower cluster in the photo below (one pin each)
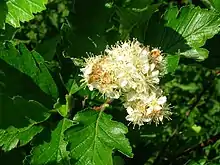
(131, 72)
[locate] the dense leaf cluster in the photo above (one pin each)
(47, 117)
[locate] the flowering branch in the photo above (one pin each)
(131, 72)
(179, 126)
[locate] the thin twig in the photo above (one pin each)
(208, 85)
(203, 144)
(104, 105)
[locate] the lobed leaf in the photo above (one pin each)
(183, 30)
(18, 121)
(13, 137)
(48, 48)
(23, 10)
(94, 138)
(196, 25)
(31, 64)
(20, 113)
(55, 150)
(139, 13)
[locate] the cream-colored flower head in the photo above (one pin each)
(98, 75)
(130, 71)
(153, 109)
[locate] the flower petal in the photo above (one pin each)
(129, 110)
(162, 100)
(155, 73)
(152, 66)
(157, 107)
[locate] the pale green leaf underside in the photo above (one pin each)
(198, 54)
(93, 140)
(22, 10)
(55, 150)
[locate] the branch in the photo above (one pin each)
(104, 105)
(201, 145)
(206, 88)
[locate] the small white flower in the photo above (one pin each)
(123, 83)
(155, 73)
(146, 69)
(129, 71)
(145, 52)
(162, 100)
(134, 116)
(159, 58)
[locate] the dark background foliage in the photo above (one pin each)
(70, 28)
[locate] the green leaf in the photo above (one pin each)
(217, 86)
(117, 160)
(7, 33)
(55, 150)
(71, 73)
(87, 36)
(199, 162)
(196, 128)
(199, 54)
(2, 84)
(196, 25)
(20, 113)
(31, 64)
(139, 13)
(171, 62)
(22, 10)
(94, 138)
(64, 109)
(18, 119)
(183, 30)
(74, 87)
(13, 137)
(3, 9)
(48, 48)
(212, 4)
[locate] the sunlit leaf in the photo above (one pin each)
(53, 151)
(97, 136)
(13, 137)
(183, 30)
(18, 121)
(29, 63)
(22, 10)
(171, 62)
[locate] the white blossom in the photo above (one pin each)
(130, 71)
